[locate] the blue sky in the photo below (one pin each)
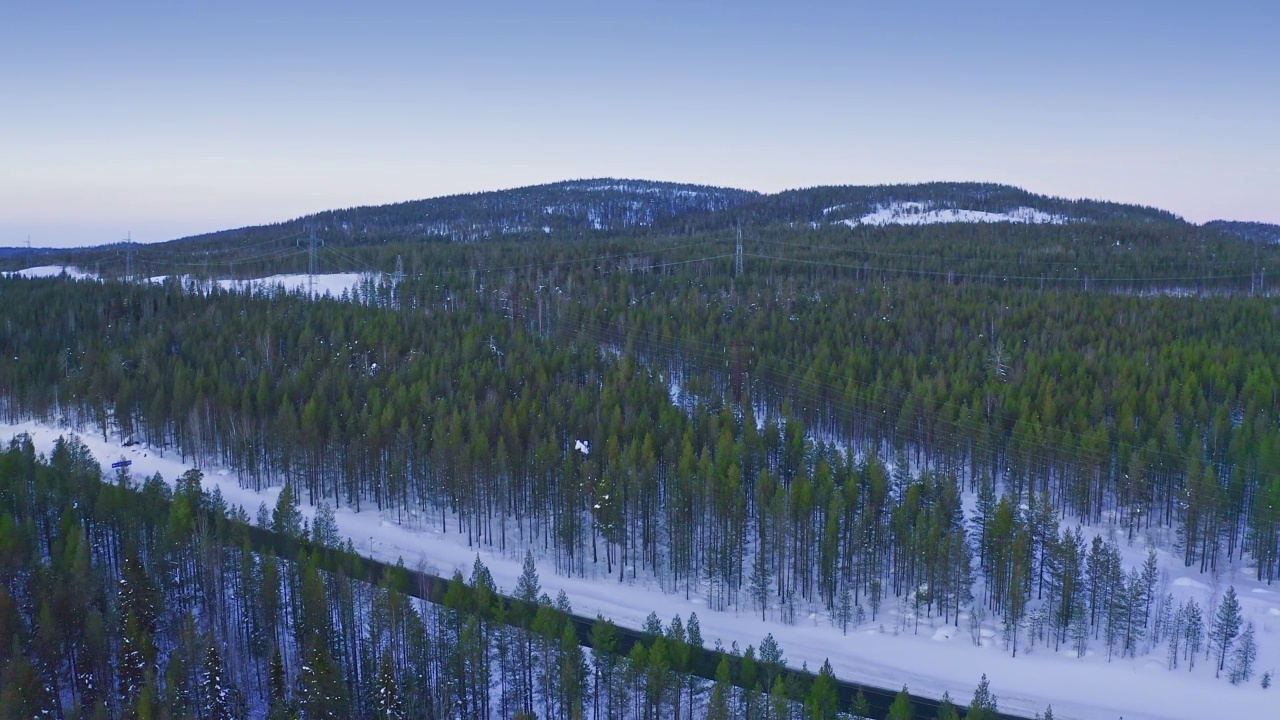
(163, 119)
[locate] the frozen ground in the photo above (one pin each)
(330, 284)
(915, 213)
(938, 658)
(53, 271)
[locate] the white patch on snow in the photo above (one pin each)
(45, 271)
(329, 284)
(1186, 582)
(914, 213)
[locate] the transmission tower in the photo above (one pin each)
(737, 255)
(313, 242)
(399, 274)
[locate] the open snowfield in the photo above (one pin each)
(330, 284)
(915, 213)
(326, 284)
(43, 271)
(940, 657)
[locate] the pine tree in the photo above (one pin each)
(286, 518)
(779, 703)
(322, 696)
(901, 708)
(860, 707)
(387, 704)
(571, 667)
(324, 530)
(279, 705)
(947, 709)
(1226, 626)
(527, 586)
(1245, 654)
(823, 702)
(1194, 630)
(721, 692)
(215, 693)
(983, 706)
(604, 649)
(1176, 629)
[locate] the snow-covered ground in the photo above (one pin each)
(43, 271)
(326, 284)
(940, 657)
(330, 284)
(915, 213)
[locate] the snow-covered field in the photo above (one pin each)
(330, 284)
(326, 284)
(43, 271)
(915, 213)
(938, 658)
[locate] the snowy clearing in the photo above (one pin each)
(45, 271)
(928, 660)
(915, 213)
(328, 284)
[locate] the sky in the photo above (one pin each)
(156, 120)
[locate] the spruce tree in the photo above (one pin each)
(215, 693)
(1226, 626)
(823, 702)
(983, 706)
(324, 530)
(387, 703)
(901, 708)
(718, 707)
(1242, 659)
(571, 666)
(947, 709)
(860, 707)
(286, 518)
(1194, 633)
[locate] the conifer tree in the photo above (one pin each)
(860, 707)
(286, 519)
(947, 709)
(718, 707)
(324, 530)
(387, 703)
(1194, 633)
(901, 708)
(823, 702)
(1243, 658)
(1226, 625)
(215, 693)
(779, 703)
(983, 706)
(572, 671)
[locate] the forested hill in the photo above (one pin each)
(930, 203)
(1261, 232)
(609, 207)
(562, 209)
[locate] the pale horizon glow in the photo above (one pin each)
(155, 121)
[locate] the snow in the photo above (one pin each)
(327, 284)
(45, 271)
(884, 652)
(916, 213)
